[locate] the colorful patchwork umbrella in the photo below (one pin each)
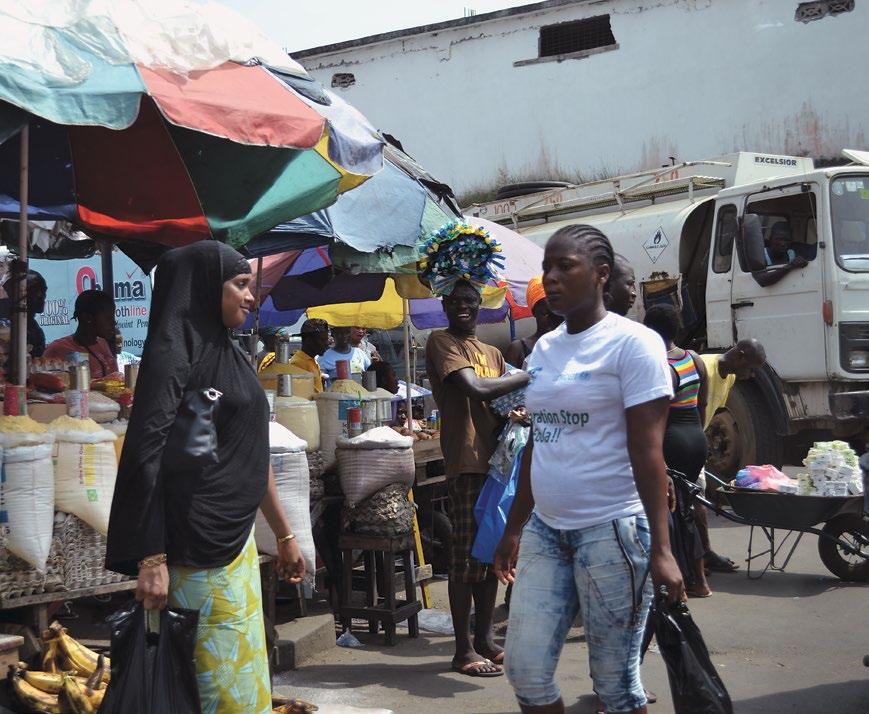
(138, 131)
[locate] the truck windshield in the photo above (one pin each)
(849, 201)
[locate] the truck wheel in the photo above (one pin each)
(854, 530)
(742, 433)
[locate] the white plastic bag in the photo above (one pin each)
(27, 503)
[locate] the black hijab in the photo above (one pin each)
(197, 519)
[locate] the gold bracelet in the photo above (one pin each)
(152, 560)
(286, 538)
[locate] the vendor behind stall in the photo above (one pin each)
(344, 350)
(315, 341)
(95, 312)
(36, 294)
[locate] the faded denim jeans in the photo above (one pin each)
(601, 571)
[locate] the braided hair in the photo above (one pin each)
(592, 243)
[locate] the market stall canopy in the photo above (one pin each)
(168, 121)
(374, 228)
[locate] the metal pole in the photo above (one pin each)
(405, 306)
(108, 268)
(21, 301)
(259, 286)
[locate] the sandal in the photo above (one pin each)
(719, 563)
(479, 668)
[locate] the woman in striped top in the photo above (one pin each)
(685, 446)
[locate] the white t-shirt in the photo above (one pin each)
(359, 361)
(581, 385)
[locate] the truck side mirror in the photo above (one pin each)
(751, 243)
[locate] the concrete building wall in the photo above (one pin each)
(690, 78)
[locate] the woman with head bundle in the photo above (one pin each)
(188, 534)
(594, 475)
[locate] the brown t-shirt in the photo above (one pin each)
(469, 429)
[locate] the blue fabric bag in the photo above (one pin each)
(491, 511)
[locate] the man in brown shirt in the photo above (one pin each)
(465, 374)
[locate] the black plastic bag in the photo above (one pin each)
(694, 683)
(152, 671)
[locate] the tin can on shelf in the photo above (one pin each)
(77, 403)
(342, 369)
(369, 380)
(282, 355)
(131, 374)
(354, 422)
(285, 385)
(80, 376)
(15, 400)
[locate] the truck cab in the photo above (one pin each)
(748, 245)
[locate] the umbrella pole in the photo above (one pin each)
(255, 336)
(420, 557)
(405, 306)
(108, 268)
(21, 302)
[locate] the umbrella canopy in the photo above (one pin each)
(375, 228)
(305, 279)
(143, 129)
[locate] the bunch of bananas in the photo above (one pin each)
(73, 680)
(280, 705)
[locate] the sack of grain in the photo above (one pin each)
(27, 502)
(290, 465)
(85, 470)
(332, 408)
(364, 471)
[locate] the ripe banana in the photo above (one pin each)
(50, 658)
(73, 696)
(31, 698)
(50, 682)
(76, 656)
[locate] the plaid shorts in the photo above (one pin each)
(463, 492)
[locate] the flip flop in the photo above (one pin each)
(475, 669)
(719, 563)
(694, 593)
(498, 658)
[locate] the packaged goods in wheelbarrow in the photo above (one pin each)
(765, 478)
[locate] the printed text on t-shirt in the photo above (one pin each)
(482, 368)
(557, 421)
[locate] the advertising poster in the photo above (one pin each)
(66, 279)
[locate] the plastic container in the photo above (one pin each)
(300, 416)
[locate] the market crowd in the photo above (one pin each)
(597, 525)
(606, 403)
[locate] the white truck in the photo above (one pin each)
(697, 234)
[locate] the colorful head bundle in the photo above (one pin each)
(459, 251)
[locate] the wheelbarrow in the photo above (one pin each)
(843, 540)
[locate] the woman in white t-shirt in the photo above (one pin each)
(595, 477)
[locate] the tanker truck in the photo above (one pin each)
(698, 235)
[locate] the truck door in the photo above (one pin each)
(719, 318)
(786, 316)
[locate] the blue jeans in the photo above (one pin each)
(602, 572)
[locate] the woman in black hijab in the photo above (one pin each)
(189, 536)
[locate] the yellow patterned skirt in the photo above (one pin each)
(231, 657)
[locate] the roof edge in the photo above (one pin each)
(434, 27)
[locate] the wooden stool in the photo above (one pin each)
(379, 553)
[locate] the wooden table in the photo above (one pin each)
(40, 604)
(424, 452)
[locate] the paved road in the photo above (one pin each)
(790, 642)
